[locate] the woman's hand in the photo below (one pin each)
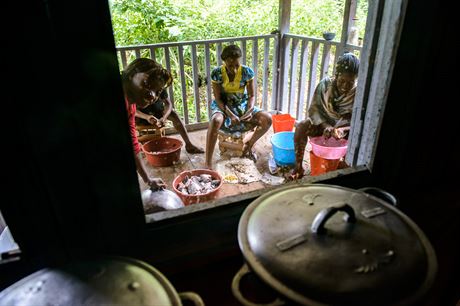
(235, 120)
(328, 131)
(247, 116)
(155, 183)
(152, 120)
(340, 133)
(161, 122)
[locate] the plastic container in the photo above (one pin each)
(283, 148)
(200, 198)
(330, 148)
(162, 152)
(282, 123)
(320, 165)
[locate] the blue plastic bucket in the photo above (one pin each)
(283, 148)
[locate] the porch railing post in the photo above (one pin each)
(348, 22)
(283, 28)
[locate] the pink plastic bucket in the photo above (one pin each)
(330, 148)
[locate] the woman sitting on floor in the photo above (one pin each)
(161, 109)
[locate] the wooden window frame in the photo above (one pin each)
(383, 30)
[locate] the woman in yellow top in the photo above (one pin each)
(232, 109)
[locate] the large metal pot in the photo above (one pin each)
(296, 241)
(108, 281)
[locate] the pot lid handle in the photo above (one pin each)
(380, 193)
(321, 218)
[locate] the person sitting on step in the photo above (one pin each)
(233, 109)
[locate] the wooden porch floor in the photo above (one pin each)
(263, 148)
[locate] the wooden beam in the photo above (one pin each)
(283, 28)
(243, 51)
(124, 61)
(313, 72)
(391, 26)
(325, 60)
(283, 73)
(207, 64)
(198, 42)
(350, 5)
(265, 74)
(275, 67)
(218, 53)
(168, 67)
(284, 16)
(302, 80)
(183, 84)
(152, 53)
(352, 22)
(196, 92)
(293, 76)
(255, 62)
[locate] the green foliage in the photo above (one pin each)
(142, 22)
(312, 18)
(152, 21)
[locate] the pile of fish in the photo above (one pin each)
(197, 184)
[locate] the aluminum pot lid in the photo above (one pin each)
(114, 281)
(324, 244)
(159, 200)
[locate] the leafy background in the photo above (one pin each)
(152, 21)
(140, 22)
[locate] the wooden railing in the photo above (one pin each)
(288, 91)
(304, 62)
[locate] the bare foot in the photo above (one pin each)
(296, 174)
(193, 149)
(248, 153)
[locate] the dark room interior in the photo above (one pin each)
(72, 190)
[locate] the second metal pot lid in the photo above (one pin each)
(104, 281)
(323, 244)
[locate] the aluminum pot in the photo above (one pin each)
(296, 241)
(107, 281)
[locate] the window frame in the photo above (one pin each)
(383, 31)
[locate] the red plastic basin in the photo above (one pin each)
(163, 151)
(193, 199)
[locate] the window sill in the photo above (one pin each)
(164, 215)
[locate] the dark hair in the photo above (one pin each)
(231, 51)
(347, 63)
(149, 66)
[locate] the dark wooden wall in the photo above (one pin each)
(72, 179)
